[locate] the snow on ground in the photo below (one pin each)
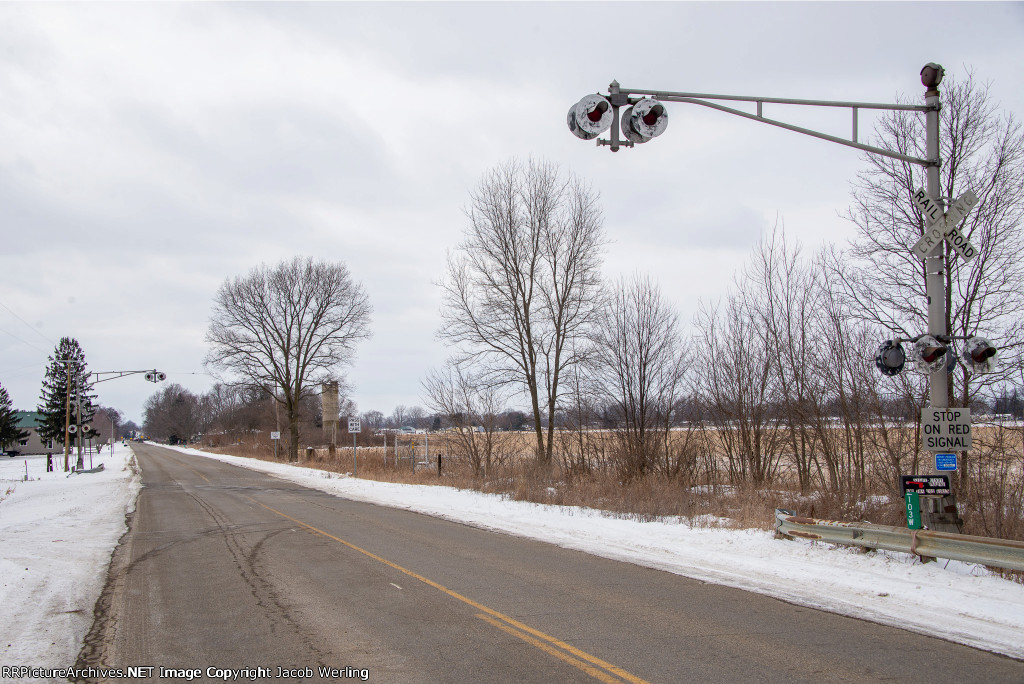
(63, 529)
(957, 601)
(57, 534)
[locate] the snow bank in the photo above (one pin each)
(59, 531)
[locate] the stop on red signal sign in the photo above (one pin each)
(946, 429)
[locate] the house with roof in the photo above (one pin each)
(30, 422)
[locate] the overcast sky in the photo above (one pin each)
(150, 151)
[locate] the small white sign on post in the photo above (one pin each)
(275, 435)
(353, 428)
(946, 429)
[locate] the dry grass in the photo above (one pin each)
(991, 501)
(992, 505)
(646, 499)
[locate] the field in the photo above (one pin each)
(698, 475)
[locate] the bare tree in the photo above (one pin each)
(525, 282)
(172, 413)
(982, 150)
(639, 363)
(107, 423)
(737, 383)
(287, 329)
(466, 402)
(399, 416)
(581, 449)
(374, 420)
(788, 292)
(875, 440)
(417, 415)
(836, 412)
(227, 404)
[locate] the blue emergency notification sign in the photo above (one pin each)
(945, 462)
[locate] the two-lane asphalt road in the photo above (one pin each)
(228, 568)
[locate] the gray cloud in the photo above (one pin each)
(149, 151)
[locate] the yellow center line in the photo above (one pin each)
(540, 636)
(589, 669)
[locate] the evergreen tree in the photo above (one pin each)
(9, 432)
(67, 380)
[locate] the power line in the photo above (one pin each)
(9, 371)
(29, 325)
(25, 342)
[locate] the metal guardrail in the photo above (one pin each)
(999, 553)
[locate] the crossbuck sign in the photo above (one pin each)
(944, 226)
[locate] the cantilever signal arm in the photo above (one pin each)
(114, 375)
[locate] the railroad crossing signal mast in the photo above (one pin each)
(646, 118)
(153, 376)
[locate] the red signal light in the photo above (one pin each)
(645, 120)
(590, 117)
(930, 354)
(980, 355)
(598, 111)
(651, 117)
(984, 354)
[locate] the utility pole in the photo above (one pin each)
(79, 464)
(67, 421)
(937, 513)
(935, 282)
